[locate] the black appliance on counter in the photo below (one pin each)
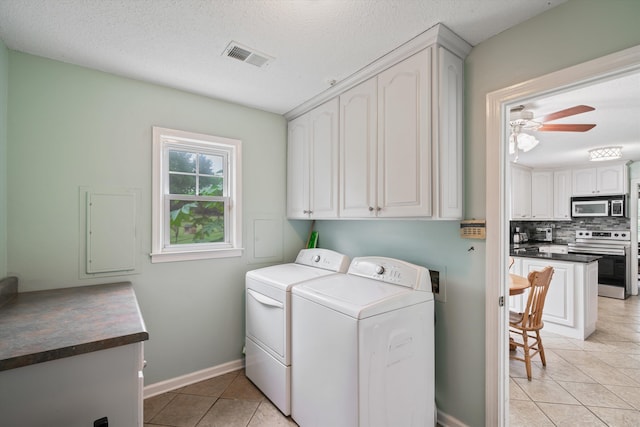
(613, 246)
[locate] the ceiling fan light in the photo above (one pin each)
(605, 153)
(526, 142)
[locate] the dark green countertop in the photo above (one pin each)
(40, 326)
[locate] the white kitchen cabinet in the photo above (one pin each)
(520, 192)
(541, 194)
(312, 162)
(358, 151)
(404, 138)
(600, 181)
(571, 304)
(517, 302)
(562, 194)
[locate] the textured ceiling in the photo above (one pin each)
(178, 43)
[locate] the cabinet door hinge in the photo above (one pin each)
(501, 301)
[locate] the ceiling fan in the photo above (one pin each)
(521, 119)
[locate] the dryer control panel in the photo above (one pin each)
(323, 258)
(391, 270)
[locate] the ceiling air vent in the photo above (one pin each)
(246, 54)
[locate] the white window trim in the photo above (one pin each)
(159, 251)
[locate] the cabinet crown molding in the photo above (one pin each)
(438, 34)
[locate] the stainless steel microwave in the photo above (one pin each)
(598, 206)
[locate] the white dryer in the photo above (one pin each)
(363, 347)
(268, 319)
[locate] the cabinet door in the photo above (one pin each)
(559, 306)
(520, 192)
(449, 144)
(584, 182)
(358, 156)
(323, 157)
(404, 138)
(541, 194)
(611, 180)
(298, 168)
(562, 194)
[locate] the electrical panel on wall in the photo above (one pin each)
(109, 224)
(473, 229)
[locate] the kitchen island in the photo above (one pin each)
(571, 305)
(71, 356)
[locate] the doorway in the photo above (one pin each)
(496, 355)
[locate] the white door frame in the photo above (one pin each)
(632, 210)
(496, 360)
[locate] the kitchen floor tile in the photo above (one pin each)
(570, 415)
(601, 374)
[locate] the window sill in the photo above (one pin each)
(195, 255)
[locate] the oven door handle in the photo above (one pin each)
(264, 300)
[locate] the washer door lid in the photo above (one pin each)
(359, 297)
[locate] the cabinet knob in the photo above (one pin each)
(378, 209)
(370, 208)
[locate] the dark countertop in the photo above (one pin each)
(530, 252)
(40, 326)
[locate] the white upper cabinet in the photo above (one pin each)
(562, 194)
(541, 195)
(448, 146)
(396, 150)
(298, 168)
(358, 151)
(404, 138)
(600, 181)
(520, 192)
(312, 163)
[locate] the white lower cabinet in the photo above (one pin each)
(76, 391)
(571, 305)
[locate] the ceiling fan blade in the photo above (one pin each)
(578, 109)
(565, 128)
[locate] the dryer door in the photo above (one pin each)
(266, 322)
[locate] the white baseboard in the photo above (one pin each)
(194, 377)
(447, 420)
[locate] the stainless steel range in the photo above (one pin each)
(613, 246)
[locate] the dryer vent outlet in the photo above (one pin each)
(435, 281)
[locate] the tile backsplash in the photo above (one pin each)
(565, 231)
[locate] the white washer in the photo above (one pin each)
(363, 347)
(268, 319)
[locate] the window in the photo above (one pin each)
(196, 196)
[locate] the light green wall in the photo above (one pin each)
(4, 87)
(72, 127)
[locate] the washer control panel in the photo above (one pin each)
(390, 270)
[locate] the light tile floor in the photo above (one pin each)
(595, 382)
(229, 400)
